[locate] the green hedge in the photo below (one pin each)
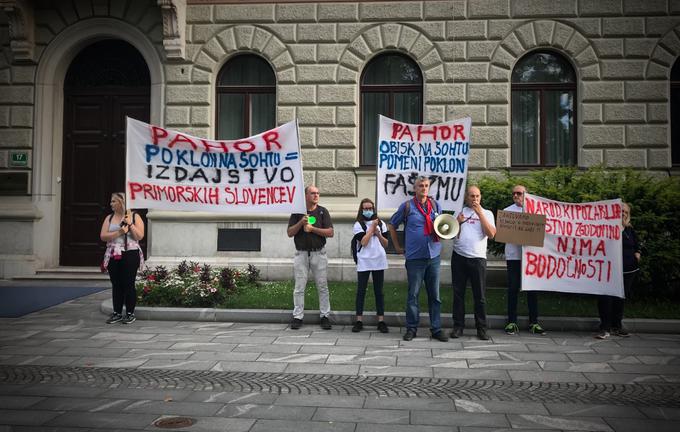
(655, 213)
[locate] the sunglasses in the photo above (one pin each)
(518, 193)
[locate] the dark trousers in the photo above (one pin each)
(610, 308)
(514, 285)
(362, 284)
(474, 269)
(122, 273)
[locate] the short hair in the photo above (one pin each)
(310, 186)
(467, 189)
(421, 178)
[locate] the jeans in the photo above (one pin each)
(362, 284)
(514, 286)
(317, 262)
(122, 273)
(419, 271)
(462, 269)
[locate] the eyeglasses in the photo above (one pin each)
(517, 193)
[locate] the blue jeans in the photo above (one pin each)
(419, 271)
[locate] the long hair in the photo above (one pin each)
(360, 216)
(626, 218)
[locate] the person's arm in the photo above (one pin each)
(395, 240)
(370, 228)
(638, 249)
(296, 227)
(379, 233)
(106, 235)
(323, 232)
(488, 227)
(136, 228)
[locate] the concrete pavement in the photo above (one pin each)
(63, 369)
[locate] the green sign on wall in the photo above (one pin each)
(18, 159)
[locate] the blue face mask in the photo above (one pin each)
(367, 213)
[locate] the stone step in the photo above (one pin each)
(66, 274)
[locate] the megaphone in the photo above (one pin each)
(446, 226)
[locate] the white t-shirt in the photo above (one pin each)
(373, 255)
(471, 243)
(513, 251)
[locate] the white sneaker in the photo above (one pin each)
(602, 335)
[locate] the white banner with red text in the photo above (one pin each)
(169, 170)
(438, 151)
(582, 248)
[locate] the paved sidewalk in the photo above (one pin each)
(63, 369)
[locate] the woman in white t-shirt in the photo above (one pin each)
(370, 233)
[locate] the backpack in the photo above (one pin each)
(356, 241)
(407, 207)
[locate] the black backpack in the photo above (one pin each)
(356, 241)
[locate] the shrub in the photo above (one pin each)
(655, 208)
(192, 285)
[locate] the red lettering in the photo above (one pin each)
(271, 138)
(156, 133)
(445, 132)
(179, 138)
(458, 131)
(207, 145)
(423, 130)
(134, 188)
(244, 146)
(396, 128)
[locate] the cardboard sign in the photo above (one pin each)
(582, 248)
(169, 170)
(438, 151)
(520, 228)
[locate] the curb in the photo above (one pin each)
(392, 319)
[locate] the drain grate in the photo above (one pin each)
(647, 394)
(174, 422)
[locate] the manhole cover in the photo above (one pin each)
(173, 422)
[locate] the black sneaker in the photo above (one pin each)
(409, 335)
(620, 333)
(382, 327)
(440, 336)
(114, 318)
(456, 332)
(481, 334)
(296, 323)
(357, 327)
(129, 318)
(325, 323)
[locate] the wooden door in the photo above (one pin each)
(100, 91)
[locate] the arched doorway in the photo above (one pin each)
(107, 81)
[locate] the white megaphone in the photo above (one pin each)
(446, 226)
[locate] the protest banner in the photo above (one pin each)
(438, 151)
(169, 170)
(582, 248)
(520, 228)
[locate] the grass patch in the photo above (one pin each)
(279, 295)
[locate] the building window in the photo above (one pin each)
(391, 85)
(675, 113)
(543, 111)
(246, 98)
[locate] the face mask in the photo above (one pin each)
(367, 213)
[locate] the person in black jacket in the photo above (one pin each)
(609, 307)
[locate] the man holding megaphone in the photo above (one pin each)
(422, 256)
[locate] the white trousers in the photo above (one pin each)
(317, 263)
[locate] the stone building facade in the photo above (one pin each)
(622, 53)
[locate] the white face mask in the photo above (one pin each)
(367, 213)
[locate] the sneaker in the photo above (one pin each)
(536, 329)
(129, 318)
(440, 336)
(481, 334)
(357, 327)
(602, 335)
(409, 335)
(296, 323)
(382, 327)
(456, 333)
(114, 318)
(620, 333)
(325, 323)
(511, 329)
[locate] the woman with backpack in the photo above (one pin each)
(122, 232)
(368, 250)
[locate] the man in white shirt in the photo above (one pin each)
(513, 260)
(468, 261)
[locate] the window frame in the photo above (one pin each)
(674, 86)
(247, 91)
(541, 88)
(391, 90)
